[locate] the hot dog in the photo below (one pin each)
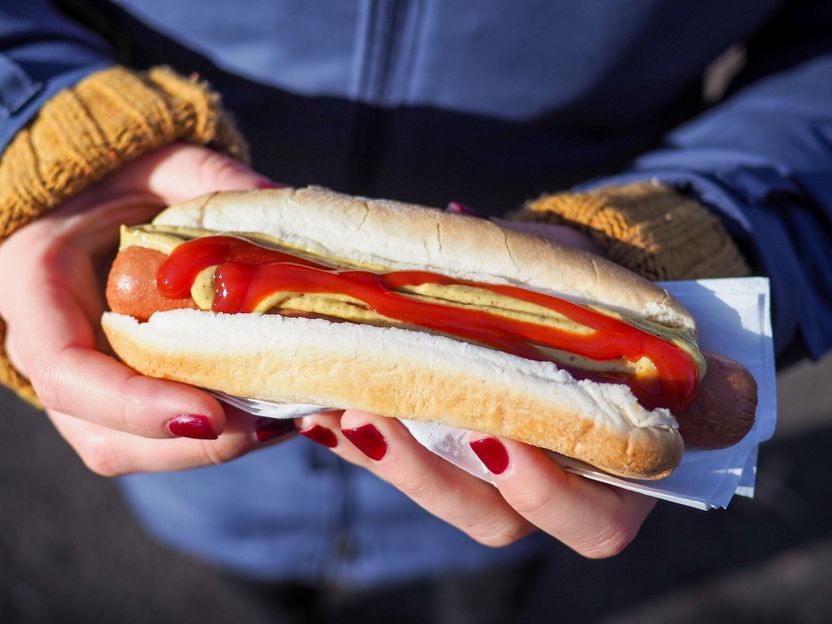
(315, 297)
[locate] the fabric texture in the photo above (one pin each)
(648, 228)
(87, 131)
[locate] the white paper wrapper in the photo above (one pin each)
(733, 318)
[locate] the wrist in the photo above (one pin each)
(84, 133)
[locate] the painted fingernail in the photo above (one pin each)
(321, 435)
(368, 440)
(492, 453)
(269, 184)
(195, 426)
(458, 208)
(268, 429)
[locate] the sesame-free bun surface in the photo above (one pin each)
(402, 373)
(405, 236)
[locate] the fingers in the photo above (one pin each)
(56, 346)
(181, 171)
(53, 303)
(136, 191)
(52, 328)
(594, 519)
(386, 448)
(83, 381)
(112, 453)
(531, 490)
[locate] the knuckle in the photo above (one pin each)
(221, 451)
(213, 168)
(100, 457)
(616, 536)
(128, 414)
(500, 534)
(416, 488)
(12, 352)
(533, 502)
(46, 380)
(425, 487)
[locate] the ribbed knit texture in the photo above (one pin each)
(85, 132)
(648, 228)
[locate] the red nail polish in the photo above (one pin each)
(321, 435)
(458, 208)
(269, 184)
(492, 453)
(271, 428)
(368, 440)
(194, 426)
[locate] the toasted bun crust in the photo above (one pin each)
(405, 236)
(406, 374)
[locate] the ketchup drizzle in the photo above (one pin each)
(247, 273)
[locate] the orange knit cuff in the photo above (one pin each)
(648, 228)
(85, 132)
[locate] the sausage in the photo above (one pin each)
(131, 287)
(721, 415)
(724, 408)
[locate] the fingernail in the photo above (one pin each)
(269, 184)
(492, 453)
(195, 426)
(458, 208)
(268, 429)
(368, 440)
(321, 435)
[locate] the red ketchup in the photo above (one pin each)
(247, 273)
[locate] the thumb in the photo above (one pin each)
(181, 171)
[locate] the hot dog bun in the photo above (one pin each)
(406, 236)
(412, 374)
(405, 374)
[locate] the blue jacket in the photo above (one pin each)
(486, 103)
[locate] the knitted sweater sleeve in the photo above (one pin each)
(647, 227)
(89, 130)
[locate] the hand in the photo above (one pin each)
(532, 492)
(52, 275)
